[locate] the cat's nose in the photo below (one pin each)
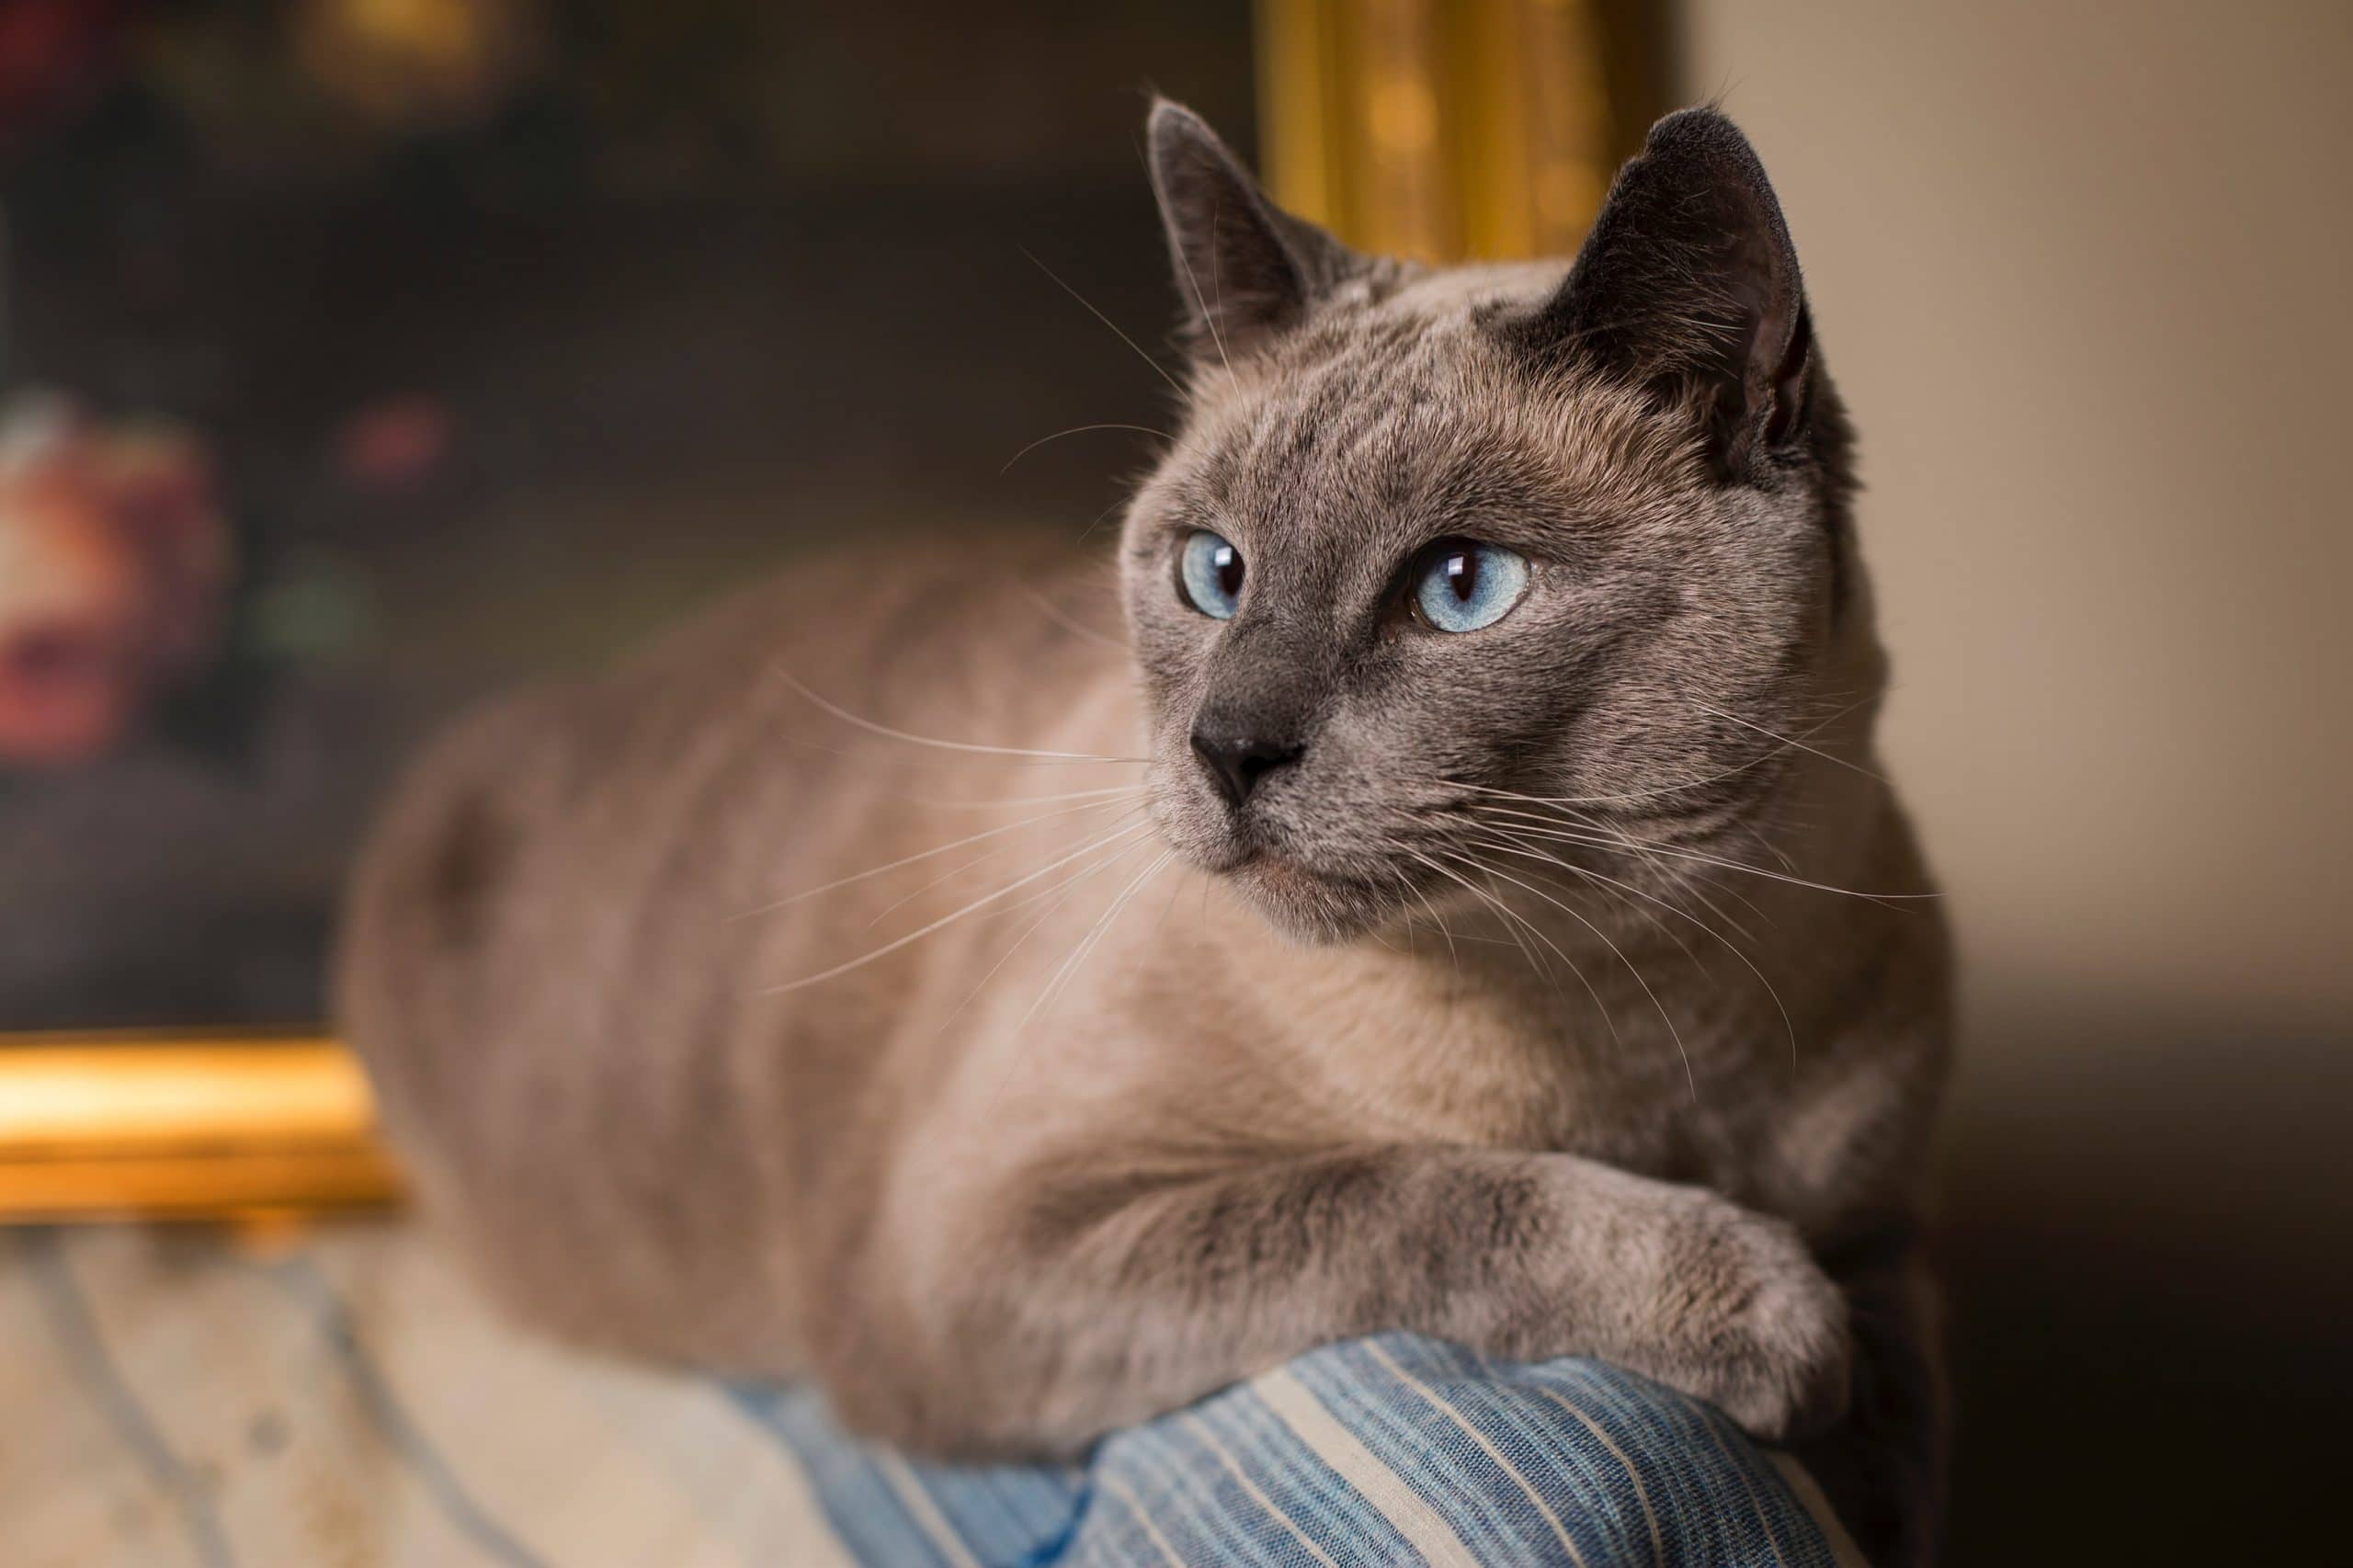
(1238, 762)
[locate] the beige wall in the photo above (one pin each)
(2083, 272)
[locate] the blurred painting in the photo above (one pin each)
(360, 356)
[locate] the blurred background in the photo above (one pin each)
(357, 356)
(485, 335)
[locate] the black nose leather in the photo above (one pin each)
(1237, 764)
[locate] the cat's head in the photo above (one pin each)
(1433, 546)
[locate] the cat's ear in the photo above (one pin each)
(1688, 284)
(1245, 268)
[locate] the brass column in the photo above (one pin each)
(1450, 129)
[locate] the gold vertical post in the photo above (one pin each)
(1441, 130)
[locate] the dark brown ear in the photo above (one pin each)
(1245, 269)
(1688, 284)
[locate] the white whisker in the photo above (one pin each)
(1505, 840)
(891, 947)
(1053, 612)
(1161, 369)
(1001, 828)
(993, 803)
(1080, 875)
(1079, 430)
(1060, 893)
(1194, 283)
(1062, 977)
(847, 717)
(1621, 841)
(1513, 921)
(1452, 956)
(1788, 1025)
(1665, 1016)
(1799, 744)
(1679, 785)
(948, 876)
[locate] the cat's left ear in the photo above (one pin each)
(1245, 269)
(1688, 284)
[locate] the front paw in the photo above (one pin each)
(1745, 1318)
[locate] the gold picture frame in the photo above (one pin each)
(194, 1125)
(1435, 128)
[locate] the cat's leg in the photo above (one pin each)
(1072, 1303)
(1883, 1466)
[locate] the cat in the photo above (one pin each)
(1464, 901)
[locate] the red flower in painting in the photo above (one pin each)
(113, 560)
(56, 56)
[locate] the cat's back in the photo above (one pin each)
(557, 938)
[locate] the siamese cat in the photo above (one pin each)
(1464, 900)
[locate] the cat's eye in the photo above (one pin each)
(1209, 572)
(1462, 584)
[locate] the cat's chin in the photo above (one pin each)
(1306, 906)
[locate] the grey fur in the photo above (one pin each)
(1001, 1203)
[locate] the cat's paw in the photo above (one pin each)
(1748, 1321)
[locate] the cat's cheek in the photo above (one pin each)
(1169, 648)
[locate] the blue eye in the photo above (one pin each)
(1467, 585)
(1211, 573)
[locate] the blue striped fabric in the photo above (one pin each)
(171, 1402)
(1392, 1450)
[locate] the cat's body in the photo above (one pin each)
(1105, 1142)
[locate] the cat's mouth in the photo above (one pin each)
(1280, 871)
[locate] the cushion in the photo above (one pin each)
(170, 1396)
